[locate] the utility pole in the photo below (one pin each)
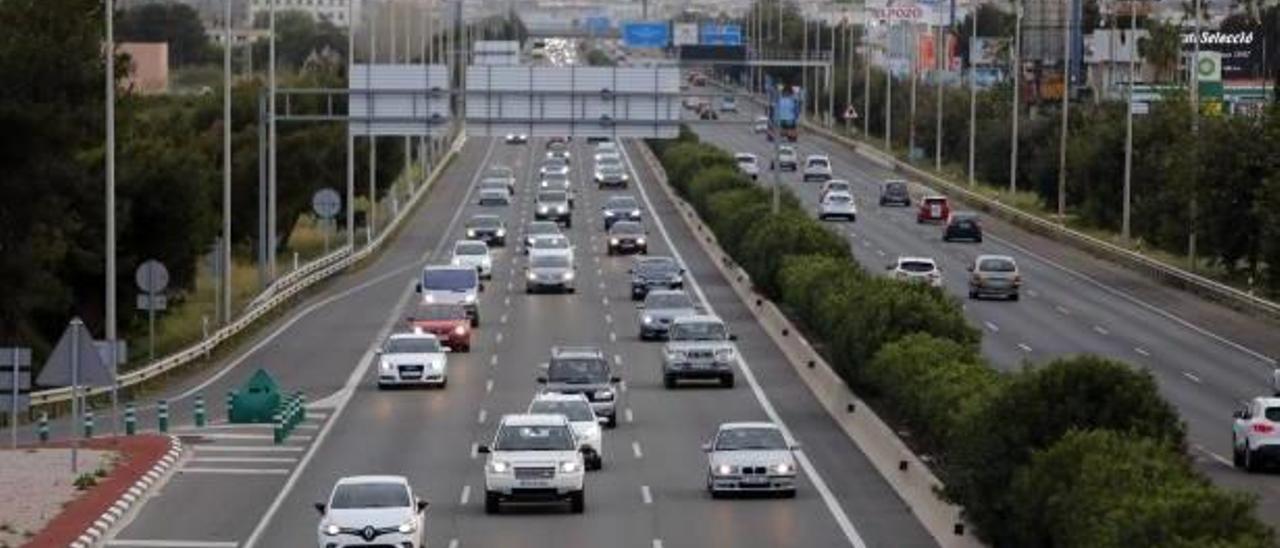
(226, 165)
(351, 136)
(915, 75)
(888, 95)
(271, 139)
(973, 91)
(1128, 125)
(866, 73)
(1016, 74)
(804, 66)
(1066, 110)
(370, 217)
(848, 73)
(939, 63)
(111, 211)
(1195, 141)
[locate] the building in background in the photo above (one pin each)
(148, 67)
(333, 11)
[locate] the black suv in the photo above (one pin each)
(655, 273)
(895, 193)
(620, 208)
(489, 229)
(584, 370)
(962, 226)
(627, 237)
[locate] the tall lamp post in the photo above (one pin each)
(111, 206)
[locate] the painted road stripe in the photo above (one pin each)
(173, 543)
(488, 386)
(1191, 376)
(635, 449)
(275, 460)
(1141, 350)
(646, 495)
(482, 416)
(993, 327)
(453, 543)
(630, 417)
(1024, 347)
(237, 471)
(235, 436)
(248, 448)
(1062, 310)
(466, 495)
(1101, 330)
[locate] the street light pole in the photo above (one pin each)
(271, 140)
(888, 95)
(866, 74)
(351, 138)
(937, 128)
(1066, 110)
(1128, 125)
(1195, 139)
(111, 209)
(973, 91)
(371, 215)
(913, 57)
(226, 164)
(1016, 74)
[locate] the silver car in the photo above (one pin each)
(838, 205)
(549, 272)
(750, 457)
(660, 308)
(995, 276)
(494, 197)
(538, 229)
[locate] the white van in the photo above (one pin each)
(448, 284)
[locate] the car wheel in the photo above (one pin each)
(492, 504)
(568, 224)
(573, 290)
(1013, 297)
(578, 501)
(1237, 456)
(1251, 461)
(726, 381)
(789, 494)
(475, 321)
(669, 381)
(612, 422)
(609, 251)
(714, 493)
(444, 383)
(973, 294)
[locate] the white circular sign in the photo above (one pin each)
(326, 202)
(152, 276)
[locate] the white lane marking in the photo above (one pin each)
(498, 338)
(604, 301)
(1062, 310)
(466, 495)
(635, 450)
(506, 301)
(453, 543)
(608, 318)
(1024, 347)
(172, 543)
(247, 448)
(245, 460)
(1191, 376)
(503, 319)
(482, 416)
(353, 381)
(493, 360)
(1033, 293)
(819, 484)
(617, 359)
(509, 286)
(622, 385)
(993, 327)
(630, 417)
(613, 337)
(880, 252)
(236, 471)
(488, 386)
(475, 450)
(1142, 351)
(645, 495)
(866, 242)
(601, 285)
(1101, 330)
(1221, 459)
(238, 436)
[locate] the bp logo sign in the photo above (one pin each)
(1209, 67)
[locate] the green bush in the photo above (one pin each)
(712, 181)
(732, 212)
(1106, 489)
(1035, 408)
(768, 241)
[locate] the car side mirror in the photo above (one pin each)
(320, 507)
(542, 380)
(889, 267)
(408, 319)
(706, 448)
(481, 287)
(377, 352)
(418, 287)
(422, 505)
(733, 336)
(482, 449)
(639, 306)
(615, 380)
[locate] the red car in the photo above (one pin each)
(933, 209)
(448, 322)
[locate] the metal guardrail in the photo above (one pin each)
(288, 285)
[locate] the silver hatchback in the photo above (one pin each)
(994, 276)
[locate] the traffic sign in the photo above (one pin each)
(1209, 66)
(850, 113)
(152, 302)
(713, 34)
(152, 276)
(686, 34)
(326, 203)
(75, 360)
(15, 365)
(646, 34)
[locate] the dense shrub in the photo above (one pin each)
(771, 239)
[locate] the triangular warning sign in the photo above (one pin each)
(75, 355)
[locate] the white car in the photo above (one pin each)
(583, 419)
(750, 457)
(534, 458)
(517, 138)
(916, 269)
(1255, 433)
(788, 160)
(817, 167)
(560, 155)
(554, 167)
(838, 205)
(748, 164)
(367, 509)
(539, 229)
(606, 146)
(473, 253)
(835, 185)
(550, 244)
(761, 125)
(415, 358)
(494, 197)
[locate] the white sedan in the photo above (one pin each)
(748, 164)
(367, 509)
(750, 457)
(415, 358)
(473, 253)
(838, 205)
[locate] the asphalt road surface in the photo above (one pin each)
(1208, 359)
(238, 489)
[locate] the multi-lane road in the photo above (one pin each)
(1208, 359)
(237, 489)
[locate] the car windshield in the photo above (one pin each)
(667, 300)
(576, 411)
(549, 261)
(746, 159)
(657, 266)
(493, 193)
(485, 221)
(895, 188)
(997, 265)
(471, 248)
(501, 171)
(553, 196)
(578, 371)
(554, 163)
(441, 312)
(622, 202)
(626, 228)
(698, 331)
(492, 186)
(492, 181)
(839, 186)
(935, 201)
(543, 228)
(414, 345)
(449, 279)
(610, 168)
(745, 439)
(916, 266)
(553, 242)
(786, 151)
(817, 162)
(534, 438)
(556, 177)
(370, 495)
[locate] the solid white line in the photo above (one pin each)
(275, 460)
(617, 359)
(635, 450)
(453, 543)
(475, 450)
(1141, 351)
(993, 327)
(172, 543)
(483, 414)
(354, 380)
(646, 495)
(249, 448)
(488, 386)
(1101, 330)
(466, 495)
(819, 484)
(1024, 347)
(613, 337)
(493, 360)
(629, 416)
(237, 471)
(1221, 459)
(234, 436)
(1062, 310)
(1191, 376)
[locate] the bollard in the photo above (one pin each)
(279, 429)
(199, 411)
(88, 424)
(130, 420)
(302, 407)
(231, 405)
(44, 428)
(163, 415)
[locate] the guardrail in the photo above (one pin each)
(288, 285)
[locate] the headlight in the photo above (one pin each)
(624, 176)
(542, 209)
(569, 467)
(470, 298)
(783, 468)
(724, 469)
(613, 241)
(332, 530)
(559, 209)
(460, 330)
(608, 214)
(604, 394)
(647, 319)
(499, 467)
(407, 527)
(457, 261)
(640, 241)
(635, 213)
(724, 354)
(502, 232)
(386, 366)
(429, 298)
(545, 184)
(471, 233)
(568, 275)
(530, 275)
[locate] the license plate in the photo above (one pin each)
(534, 483)
(935, 211)
(754, 482)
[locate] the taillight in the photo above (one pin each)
(1263, 428)
(460, 330)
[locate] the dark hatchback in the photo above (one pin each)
(627, 237)
(895, 193)
(963, 226)
(489, 229)
(655, 273)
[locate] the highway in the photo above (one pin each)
(1207, 358)
(237, 489)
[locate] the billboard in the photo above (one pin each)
(686, 34)
(1241, 50)
(646, 34)
(989, 51)
(712, 34)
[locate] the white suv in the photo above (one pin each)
(1255, 433)
(916, 269)
(583, 419)
(371, 509)
(748, 164)
(817, 167)
(534, 458)
(415, 358)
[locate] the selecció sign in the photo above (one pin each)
(1241, 50)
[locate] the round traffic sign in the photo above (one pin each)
(152, 276)
(326, 202)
